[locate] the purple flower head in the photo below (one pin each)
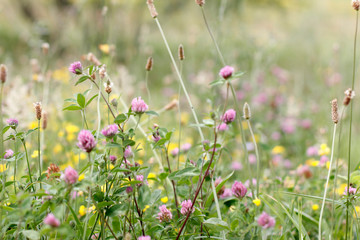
(236, 166)
(266, 221)
(110, 131)
(138, 105)
(305, 123)
(70, 175)
(95, 236)
(129, 190)
(275, 135)
(323, 160)
(9, 154)
(76, 68)
(226, 72)
(312, 151)
(86, 141)
(144, 238)
(175, 152)
(238, 189)
(227, 193)
(112, 159)
(164, 215)
(247, 183)
(222, 127)
(51, 220)
(218, 181)
(128, 152)
(12, 122)
(186, 207)
(156, 137)
(141, 179)
(229, 116)
(252, 158)
(352, 191)
(185, 147)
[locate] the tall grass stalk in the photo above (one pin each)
(350, 129)
(39, 153)
(257, 158)
(327, 180)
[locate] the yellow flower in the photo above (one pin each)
(58, 148)
(164, 199)
(35, 154)
(146, 208)
(315, 207)
(324, 150)
(327, 164)
(60, 133)
(257, 137)
(33, 125)
(312, 162)
(103, 188)
(82, 210)
(105, 48)
(184, 118)
(70, 137)
(341, 189)
(92, 209)
(81, 177)
(2, 167)
(71, 128)
(182, 158)
(257, 202)
(278, 150)
(141, 162)
(232, 208)
(244, 125)
(151, 175)
(357, 212)
(61, 74)
(35, 77)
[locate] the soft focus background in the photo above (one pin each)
(296, 55)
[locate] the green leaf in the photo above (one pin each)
(75, 218)
(113, 210)
(90, 100)
(186, 172)
(120, 118)
(82, 79)
(238, 74)
(81, 100)
(217, 82)
(31, 234)
(5, 129)
(128, 142)
(152, 113)
(72, 107)
(217, 224)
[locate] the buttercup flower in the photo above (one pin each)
(70, 176)
(238, 189)
(138, 105)
(9, 154)
(110, 131)
(229, 116)
(76, 68)
(51, 220)
(164, 215)
(226, 72)
(86, 141)
(186, 207)
(266, 221)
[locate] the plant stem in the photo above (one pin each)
(39, 153)
(147, 85)
(172, 181)
(28, 164)
(257, 159)
(89, 198)
(350, 129)
(327, 181)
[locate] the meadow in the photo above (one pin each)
(149, 119)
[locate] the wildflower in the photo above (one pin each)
(185, 147)
(200, 2)
(110, 131)
(53, 168)
(138, 105)
(12, 122)
(112, 159)
(349, 94)
(51, 220)
(229, 116)
(149, 64)
(186, 207)
(164, 199)
(152, 8)
(76, 68)
(312, 151)
(305, 123)
(95, 236)
(2, 168)
(128, 152)
(278, 150)
(226, 72)
(3, 73)
(70, 176)
(144, 238)
(352, 191)
(9, 154)
(227, 193)
(81, 177)
(356, 4)
(257, 202)
(164, 215)
(108, 86)
(324, 150)
(141, 179)
(236, 166)
(222, 127)
(238, 189)
(334, 111)
(86, 141)
(323, 160)
(266, 221)
(217, 182)
(129, 190)
(304, 171)
(252, 158)
(35, 154)
(38, 110)
(175, 152)
(315, 207)
(82, 210)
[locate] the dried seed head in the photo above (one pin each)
(3, 73)
(246, 111)
(149, 64)
(92, 58)
(152, 8)
(349, 94)
(356, 4)
(200, 2)
(181, 52)
(108, 87)
(102, 71)
(114, 102)
(45, 48)
(38, 110)
(45, 120)
(334, 111)
(171, 105)
(53, 168)
(127, 236)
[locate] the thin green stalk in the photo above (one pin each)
(28, 163)
(147, 86)
(89, 198)
(327, 180)
(350, 128)
(179, 112)
(257, 159)
(39, 153)
(15, 165)
(1, 118)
